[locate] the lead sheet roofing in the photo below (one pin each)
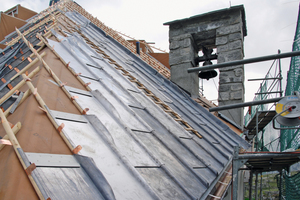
(142, 152)
(151, 142)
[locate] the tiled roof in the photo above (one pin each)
(99, 122)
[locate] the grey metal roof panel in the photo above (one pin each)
(150, 77)
(53, 160)
(122, 111)
(65, 181)
(119, 131)
(129, 136)
(109, 157)
(108, 154)
(94, 67)
(177, 137)
(59, 183)
(156, 178)
(139, 151)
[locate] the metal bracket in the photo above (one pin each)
(186, 137)
(88, 77)
(201, 167)
(101, 68)
(216, 142)
(135, 91)
(16, 103)
(97, 57)
(137, 107)
(68, 116)
(129, 62)
(241, 162)
(53, 160)
(207, 56)
(12, 96)
(78, 91)
(142, 131)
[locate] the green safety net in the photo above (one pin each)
(289, 186)
(290, 138)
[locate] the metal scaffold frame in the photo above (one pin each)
(260, 162)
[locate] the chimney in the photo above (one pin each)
(223, 30)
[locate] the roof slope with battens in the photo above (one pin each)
(122, 129)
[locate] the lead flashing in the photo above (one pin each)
(52, 160)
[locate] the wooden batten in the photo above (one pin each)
(54, 76)
(15, 130)
(16, 146)
(19, 85)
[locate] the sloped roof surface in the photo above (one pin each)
(20, 12)
(142, 137)
(14, 17)
(8, 24)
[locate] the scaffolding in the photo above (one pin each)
(266, 158)
(259, 162)
(258, 117)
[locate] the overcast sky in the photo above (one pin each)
(270, 25)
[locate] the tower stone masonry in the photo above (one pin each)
(223, 30)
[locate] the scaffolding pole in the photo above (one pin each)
(245, 61)
(241, 159)
(250, 103)
(261, 180)
(256, 185)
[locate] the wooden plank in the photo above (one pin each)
(264, 118)
(224, 183)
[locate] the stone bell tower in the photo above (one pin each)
(223, 30)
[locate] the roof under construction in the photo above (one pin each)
(85, 117)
